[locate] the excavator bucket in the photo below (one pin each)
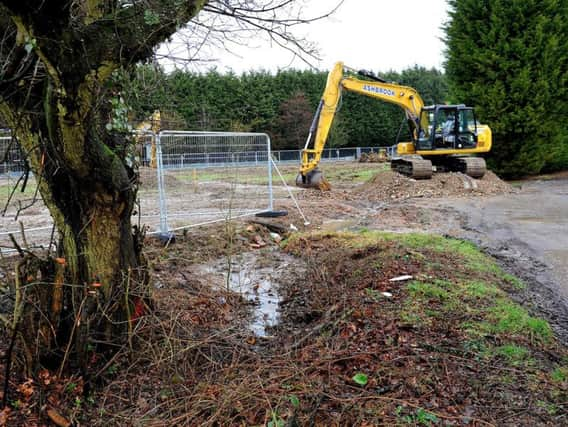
(313, 179)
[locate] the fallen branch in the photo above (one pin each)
(318, 328)
(277, 228)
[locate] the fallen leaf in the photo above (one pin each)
(27, 388)
(360, 379)
(258, 240)
(58, 419)
(4, 415)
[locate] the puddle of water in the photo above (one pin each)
(256, 283)
(257, 286)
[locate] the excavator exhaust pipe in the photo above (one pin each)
(313, 179)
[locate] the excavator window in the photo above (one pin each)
(426, 127)
(467, 129)
(447, 127)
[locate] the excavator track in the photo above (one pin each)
(413, 167)
(471, 166)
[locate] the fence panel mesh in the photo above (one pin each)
(187, 179)
(11, 156)
(206, 177)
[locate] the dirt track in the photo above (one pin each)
(535, 222)
(528, 233)
(525, 227)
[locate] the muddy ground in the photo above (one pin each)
(281, 322)
(523, 224)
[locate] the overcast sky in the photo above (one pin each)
(378, 35)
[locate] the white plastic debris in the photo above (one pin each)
(400, 278)
(386, 294)
(293, 227)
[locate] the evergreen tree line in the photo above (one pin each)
(506, 58)
(281, 105)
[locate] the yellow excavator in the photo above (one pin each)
(443, 136)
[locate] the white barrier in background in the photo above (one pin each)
(187, 179)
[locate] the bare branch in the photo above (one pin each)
(226, 24)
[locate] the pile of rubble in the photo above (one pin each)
(372, 157)
(388, 185)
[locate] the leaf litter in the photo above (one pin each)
(352, 347)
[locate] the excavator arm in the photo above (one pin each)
(405, 97)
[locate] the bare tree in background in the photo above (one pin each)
(225, 25)
(57, 60)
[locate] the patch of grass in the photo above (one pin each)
(374, 294)
(515, 282)
(514, 354)
(560, 374)
(337, 173)
(6, 189)
(435, 290)
(483, 308)
(252, 175)
(477, 347)
(474, 259)
(359, 176)
(420, 417)
(550, 408)
(411, 316)
(463, 297)
(508, 318)
(418, 241)
(478, 289)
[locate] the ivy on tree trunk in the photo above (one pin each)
(56, 94)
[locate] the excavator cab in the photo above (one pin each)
(447, 127)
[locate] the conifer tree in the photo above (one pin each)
(509, 58)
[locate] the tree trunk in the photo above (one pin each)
(82, 301)
(58, 97)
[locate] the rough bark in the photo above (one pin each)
(54, 94)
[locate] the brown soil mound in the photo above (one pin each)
(388, 185)
(149, 179)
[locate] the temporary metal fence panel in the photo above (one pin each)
(11, 156)
(186, 179)
(148, 212)
(205, 177)
(23, 214)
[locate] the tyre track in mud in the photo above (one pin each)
(527, 233)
